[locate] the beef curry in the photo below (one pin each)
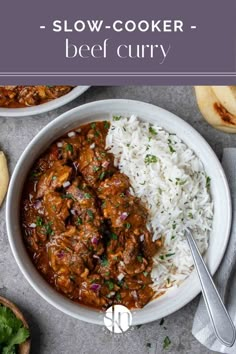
(85, 232)
(25, 96)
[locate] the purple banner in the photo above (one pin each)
(118, 42)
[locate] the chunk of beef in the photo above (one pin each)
(70, 147)
(95, 164)
(56, 210)
(134, 262)
(124, 211)
(115, 185)
(150, 247)
(85, 209)
(53, 178)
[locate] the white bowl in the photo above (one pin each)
(44, 107)
(175, 298)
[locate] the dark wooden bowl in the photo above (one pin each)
(24, 348)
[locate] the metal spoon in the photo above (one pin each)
(222, 324)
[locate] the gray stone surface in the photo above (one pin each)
(54, 332)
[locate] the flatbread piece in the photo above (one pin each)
(4, 177)
(213, 111)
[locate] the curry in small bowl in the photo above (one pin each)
(27, 96)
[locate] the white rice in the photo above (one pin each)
(171, 180)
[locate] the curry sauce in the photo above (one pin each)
(84, 230)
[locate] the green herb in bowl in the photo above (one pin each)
(12, 331)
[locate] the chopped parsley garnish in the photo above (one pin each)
(104, 261)
(35, 174)
(96, 168)
(116, 118)
(68, 196)
(166, 342)
(48, 229)
(90, 214)
(152, 131)
(145, 274)
(150, 159)
(72, 277)
(39, 221)
(127, 225)
(140, 259)
(180, 182)
(190, 215)
(79, 221)
(69, 147)
(113, 236)
(54, 178)
(208, 182)
(118, 296)
(171, 149)
(110, 284)
(106, 124)
(93, 125)
(102, 175)
(87, 196)
(170, 254)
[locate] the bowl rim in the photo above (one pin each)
(79, 110)
(44, 107)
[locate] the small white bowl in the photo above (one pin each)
(174, 298)
(44, 107)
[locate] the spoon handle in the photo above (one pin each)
(220, 319)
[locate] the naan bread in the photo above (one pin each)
(4, 176)
(213, 110)
(227, 97)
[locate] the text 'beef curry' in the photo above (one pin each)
(85, 232)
